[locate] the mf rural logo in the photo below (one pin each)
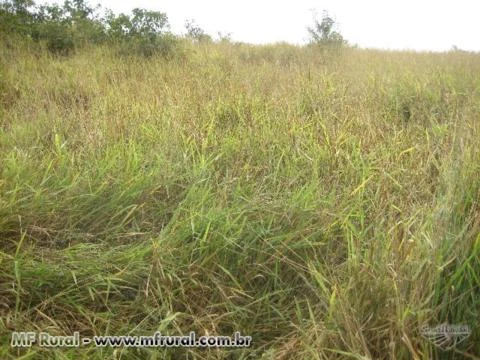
(446, 336)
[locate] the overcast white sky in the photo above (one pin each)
(406, 24)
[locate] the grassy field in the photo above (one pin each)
(327, 205)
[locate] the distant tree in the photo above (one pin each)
(323, 33)
(49, 13)
(118, 27)
(195, 32)
(87, 25)
(67, 27)
(19, 7)
(78, 10)
(144, 32)
(224, 37)
(148, 23)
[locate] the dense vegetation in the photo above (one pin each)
(63, 29)
(327, 203)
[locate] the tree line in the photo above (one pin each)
(75, 23)
(63, 28)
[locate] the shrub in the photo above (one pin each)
(16, 16)
(166, 46)
(58, 37)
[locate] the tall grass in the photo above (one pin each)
(325, 204)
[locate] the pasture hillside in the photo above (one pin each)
(324, 202)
